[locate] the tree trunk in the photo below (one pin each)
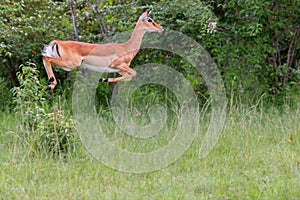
(74, 20)
(100, 21)
(290, 56)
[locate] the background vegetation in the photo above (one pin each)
(256, 48)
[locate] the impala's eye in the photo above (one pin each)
(150, 20)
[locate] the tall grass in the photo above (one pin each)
(256, 157)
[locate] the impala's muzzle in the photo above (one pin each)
(161, 30)
(159, 27)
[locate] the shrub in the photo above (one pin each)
(43, 130)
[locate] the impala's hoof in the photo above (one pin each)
(48, 88)
(103, 80)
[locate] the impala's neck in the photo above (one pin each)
(135, 41)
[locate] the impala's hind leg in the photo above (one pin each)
(51, 78)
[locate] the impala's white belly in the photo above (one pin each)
(100, 69)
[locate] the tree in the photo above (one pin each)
(26, 27)
(256, 45)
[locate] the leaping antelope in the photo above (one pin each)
(110, 57)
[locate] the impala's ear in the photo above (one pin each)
(145, 15)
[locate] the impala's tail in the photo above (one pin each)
(51, 50)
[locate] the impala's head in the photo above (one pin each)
(148, 23)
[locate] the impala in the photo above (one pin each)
(110, 57)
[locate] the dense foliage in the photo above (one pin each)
(255, 44)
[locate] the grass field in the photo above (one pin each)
(256, 157)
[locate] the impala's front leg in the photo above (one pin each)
(50, 74)
(126, 72)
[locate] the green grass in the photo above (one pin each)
(256, 157)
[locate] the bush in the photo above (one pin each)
(43, 130)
